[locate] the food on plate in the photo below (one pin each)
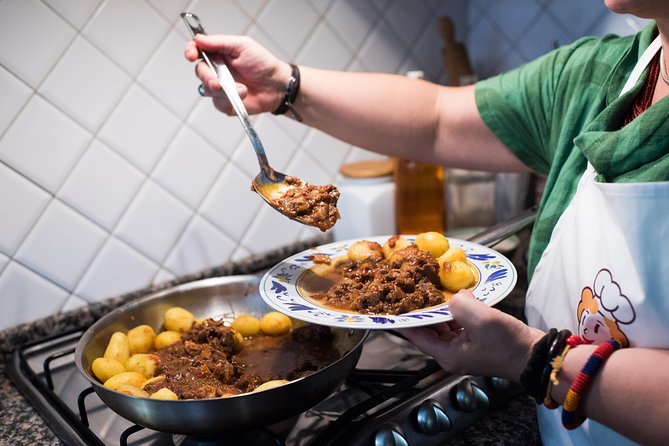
(216, 358)
(452, 254)
(456, 275)
(309, 204)
(433, 242)
(394, 243)
(364, 249)
(396, 278)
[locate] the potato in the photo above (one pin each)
(246, 325)
(271, 384)
(105, 368)
(144, 363)
(166, 338)
(178, 319)
(393, 244)
(454, 253)
(433, 242)
(118, 347)
(141, 339)
(239, 341)
(455, 276)
(364, 249)
(131, 390)
(154, 379)
(132, 378)
(275, 323)
(164, 394)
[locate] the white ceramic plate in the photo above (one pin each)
(280, 288)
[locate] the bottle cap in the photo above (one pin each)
(367, 169)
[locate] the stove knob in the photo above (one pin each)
(469, 397)
(432, 418)
(390, 434)
(500, 383)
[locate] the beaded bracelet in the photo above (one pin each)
(570, 419)
(289, 98)
(531, 375)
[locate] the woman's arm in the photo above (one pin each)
(389, 114)
(629, 394)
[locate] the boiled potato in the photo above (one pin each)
(141, 339)
(118, 347)
(275, 323)
(433, 242)
(144, 363)
(454, 253)
(166, 338)
(246, 325)
(164, 394)
(239, 341)
(393, 244)
(178, 319)
(132, 378)
(455, 276)
(364, 249)
(105, 368)
(154, 379)
(270, 384)
(131, 390)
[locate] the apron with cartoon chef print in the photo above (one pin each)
(604, 274)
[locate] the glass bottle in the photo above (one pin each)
(420, 204)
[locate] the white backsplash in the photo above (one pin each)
(115, 174)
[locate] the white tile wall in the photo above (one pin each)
(114, 173)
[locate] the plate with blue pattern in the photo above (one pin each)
(282, 287)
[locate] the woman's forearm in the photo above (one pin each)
(629, 394)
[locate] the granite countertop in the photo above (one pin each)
(21, 425)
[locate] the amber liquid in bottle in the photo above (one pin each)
(419, 197)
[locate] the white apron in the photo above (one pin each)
(604, 274)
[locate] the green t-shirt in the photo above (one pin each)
(563, 109)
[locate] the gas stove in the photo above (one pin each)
(395, 396)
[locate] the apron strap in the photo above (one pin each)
(642, 64)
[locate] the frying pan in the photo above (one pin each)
(219, 298)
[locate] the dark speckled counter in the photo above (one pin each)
(514, 424)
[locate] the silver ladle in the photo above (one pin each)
(269, 183)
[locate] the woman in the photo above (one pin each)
(591, 116)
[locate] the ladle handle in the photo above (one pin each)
(230, 88)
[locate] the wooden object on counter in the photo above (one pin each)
(454, 53)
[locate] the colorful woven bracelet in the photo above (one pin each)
(570, 419)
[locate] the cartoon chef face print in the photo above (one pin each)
(602, 309)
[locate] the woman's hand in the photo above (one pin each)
(480, 340)
(261, 77)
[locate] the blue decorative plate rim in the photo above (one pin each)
(278, 288)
